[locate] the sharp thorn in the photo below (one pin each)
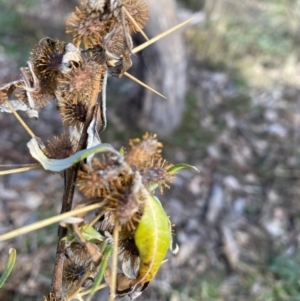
(144, 85)
(158, 37)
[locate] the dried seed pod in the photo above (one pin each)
(76, 89)
(78, 269)
(126, 202)
(92, 184)
(156, 172)
(73, 109)
(82, 78)
(101, 178)
(61, 148)
(141, 151)
(46, 58)
(139, 11)
(87, 27)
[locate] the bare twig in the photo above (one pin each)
(143, 84)
(114, 262)
(25, 126)
(48, 221)
(20, 169)
(158, 37)
(134, 23)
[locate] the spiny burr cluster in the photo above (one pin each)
(131, 220)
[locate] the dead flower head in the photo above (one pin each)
(126, 202)
(78, 267)
(46, 58)
(73, 109)
(76, 89)
(61, 148)
(87, 27)
(139, 12)
(141, 151)
(156, 172)
(101, 178)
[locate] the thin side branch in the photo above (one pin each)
(114, 262)
(143, 84)
(21, 169)
(139, 29)
(48, 222)
(20, 119)
(160, 36)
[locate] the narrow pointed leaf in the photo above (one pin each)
(9, 266)
(106, 251)
(122, 151)
(176, 168)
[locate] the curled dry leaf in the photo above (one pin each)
(7, 90)
(60, 165)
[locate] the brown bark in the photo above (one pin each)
(164, 69)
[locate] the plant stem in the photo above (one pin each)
(114, 262)
(69, 179)
(70, 176)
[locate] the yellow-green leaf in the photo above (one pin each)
(122, 151)
(177, 167)
(9, 266)
(88, 233)
(152, 238)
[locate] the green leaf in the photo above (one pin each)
(62, 164)
(9, 266)
(177, 167)
(88, 233)
(106, 250)
(122, 151)
(152, 238)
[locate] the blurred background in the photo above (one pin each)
(233, 110)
